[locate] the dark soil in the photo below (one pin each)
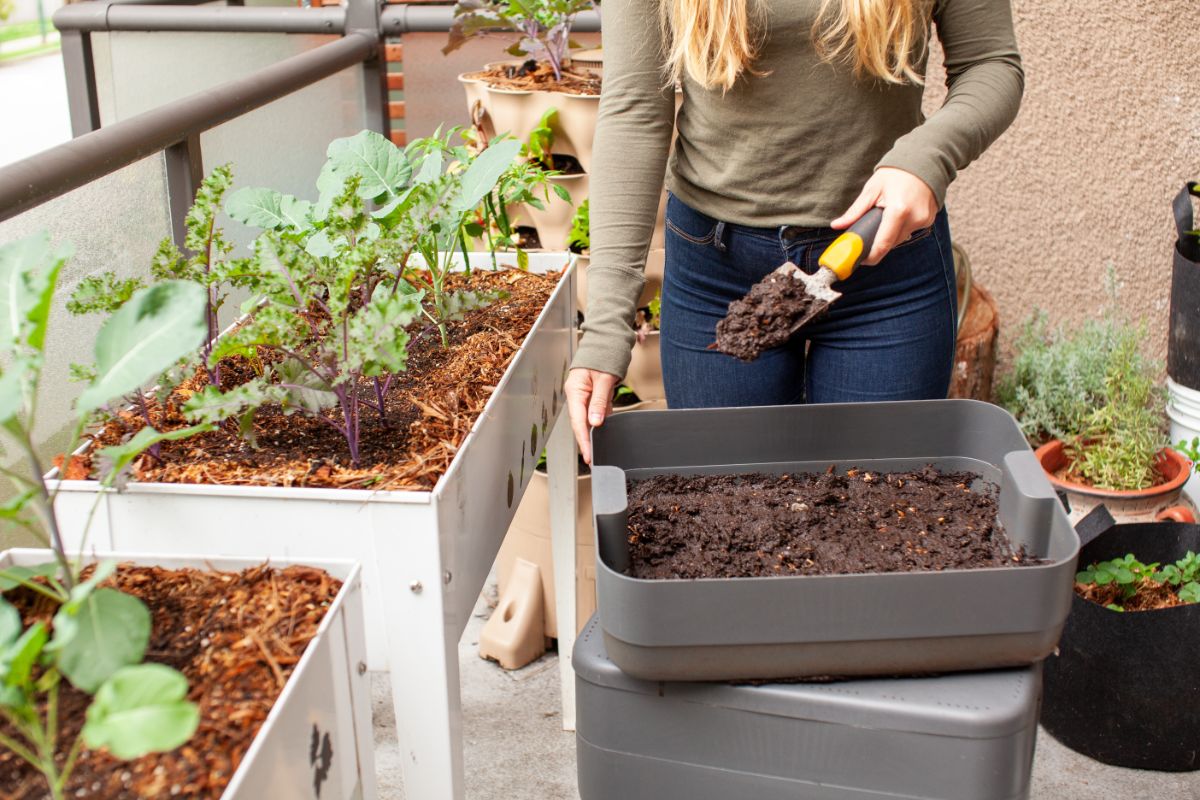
(765, 318)
(566, 164)
(539, 77)
(430, 409)
(236, 636)
(761, 525)
(1150, 596)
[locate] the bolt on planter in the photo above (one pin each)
(857, 624)
(955, 737)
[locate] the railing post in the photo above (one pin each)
(362, 16)
(80, 70)
(185, 170)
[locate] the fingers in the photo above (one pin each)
(600, 405)
(891, 232)
(866, 201)
(578, 391)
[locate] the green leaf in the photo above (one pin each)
(102, 293)
(1190, 592)
(83, 590)
(10, 623)
(12, 577)
(483, 173)
(269, 209)
(383, 167)
(18, 660)
(431, 167)
(122, 455)
(378, 343)
(12, 387)
(304, 389)
(211, 405)
(139, 710)
(1114, 607)
(29, 271)
(561, 191)
(157, 327)
(320, 245)
(107, 631)
(522, 260)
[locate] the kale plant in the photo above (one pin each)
(98, 635)
(338, 283)
(544, 26)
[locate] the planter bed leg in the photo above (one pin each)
(423, 660)
(561, 464)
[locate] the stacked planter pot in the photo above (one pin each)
(966, 736)
(425, 554)
(1183, 345)
(328, 692)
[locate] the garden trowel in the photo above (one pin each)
(838, 262)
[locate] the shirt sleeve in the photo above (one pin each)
(985, 82)
(633, 138)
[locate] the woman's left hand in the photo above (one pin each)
(908, 205)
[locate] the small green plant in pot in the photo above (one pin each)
(543, 26)
(1091, 402)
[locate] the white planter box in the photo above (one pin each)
(425, 555)
(328, 691)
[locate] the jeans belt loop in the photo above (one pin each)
(719, 237)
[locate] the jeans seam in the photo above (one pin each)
(952, 294)
(707, 239)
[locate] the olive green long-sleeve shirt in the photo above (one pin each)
(791, 147)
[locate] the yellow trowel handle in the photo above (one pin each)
(843, 255)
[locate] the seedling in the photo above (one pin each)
(98, 635)
(1191, 450)
(544, 26)
(1130, 575)
(580, 237)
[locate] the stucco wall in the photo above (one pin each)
(1108, 131)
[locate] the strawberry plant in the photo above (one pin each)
(1129, 575)
(98, 636)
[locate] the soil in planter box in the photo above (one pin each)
(237, 637)
(1150, 596)
(430, 409)
(761, 525)
(765, 318)
(538, 76)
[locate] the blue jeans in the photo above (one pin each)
(889, 337)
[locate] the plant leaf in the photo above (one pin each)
(383, 167)
(11, 577)
(269, 209)
(107, 631)
(483, 172)
(10, 623)
(378, 343)
(212, 405)
(139, 710)
(18, 660)
(157, 327)
(122, 455)
(29, 271)
(303, 389)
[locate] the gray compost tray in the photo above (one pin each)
(968, 736)
(863, 624)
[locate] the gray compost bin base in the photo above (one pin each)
(967, 736)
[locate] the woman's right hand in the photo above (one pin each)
(589, 401)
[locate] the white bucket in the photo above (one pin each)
(1183, 399)
(1185, 426)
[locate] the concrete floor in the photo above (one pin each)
(515, 748)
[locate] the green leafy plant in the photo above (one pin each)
(1191, 450)
(649, 318)
(1129, 575)
(336, 284)
(541, 140)
(98, 635)
(1094, 390)
(580, 237)
(544, 26)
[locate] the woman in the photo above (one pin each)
(797, 117)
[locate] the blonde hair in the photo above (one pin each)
(715, 41)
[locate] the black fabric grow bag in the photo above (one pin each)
(1183, 344)
(1123, 687)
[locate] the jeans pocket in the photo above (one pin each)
(917, 235)
(689, 224)
(693, 238)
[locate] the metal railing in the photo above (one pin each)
(176, 126)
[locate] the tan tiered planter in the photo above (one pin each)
(525, 617)
(553, 222)
(645, 369)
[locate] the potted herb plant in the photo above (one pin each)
(120, 674)
(1112, 689)
(1091, 404)
(516, 95)
(554, 219)
(383, 399)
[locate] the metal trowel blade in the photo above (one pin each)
(817, 286)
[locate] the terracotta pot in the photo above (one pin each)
(645, 369)
(1162, 502)
(655, 261)
(553, 222)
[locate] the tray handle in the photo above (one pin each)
(610, 510)
(1027, 502)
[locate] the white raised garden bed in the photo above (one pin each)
(425, 555)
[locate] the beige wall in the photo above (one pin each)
(1107, 134)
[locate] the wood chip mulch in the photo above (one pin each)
(237, 637)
